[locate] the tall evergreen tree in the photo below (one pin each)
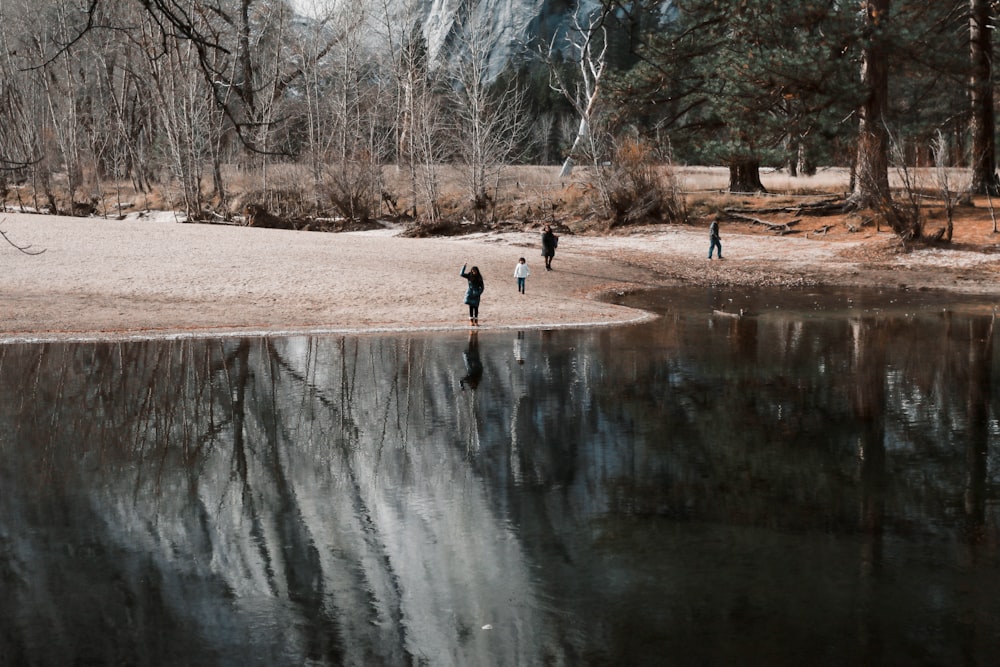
(747, 77)
(912, 78)
(871, 182)
(982, 117)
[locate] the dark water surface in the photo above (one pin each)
(814, 483)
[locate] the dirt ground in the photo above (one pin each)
(104, 279)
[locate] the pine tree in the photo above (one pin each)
(983, 118)
(747, 78)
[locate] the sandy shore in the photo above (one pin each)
(145, 278)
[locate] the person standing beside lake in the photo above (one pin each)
(549, 243)
(521, 272)
(473, 292)
(713, 238)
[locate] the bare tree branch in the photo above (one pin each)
(91, 11)
(25, 249)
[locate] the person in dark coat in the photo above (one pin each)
(549, 243)
(713, 239)
(473, 292)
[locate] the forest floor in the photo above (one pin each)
(154, 277)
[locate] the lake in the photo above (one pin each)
(813, 481)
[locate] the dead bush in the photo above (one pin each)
(634, 191)
(284, 202)
(353, 189)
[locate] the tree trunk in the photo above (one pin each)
(246, 85)
(582, 133)
(744, 176)
(806, 165)
(982, 119)
(871, 185)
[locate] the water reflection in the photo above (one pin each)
(809, 482)
(473, 364)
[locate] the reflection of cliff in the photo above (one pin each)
(294, 497)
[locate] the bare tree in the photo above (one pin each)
(427, 149)
(62, 90)
(588, 44)
(19, 123)
(489, 118)
(365, 118)
(420, 143)
(261, 60)
(120, 119)
(948, 196)
(184, 113)
(312, 54)
(26, 249)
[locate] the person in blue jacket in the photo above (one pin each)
(473, 292)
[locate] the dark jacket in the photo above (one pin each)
(713, 230)
(549, 243)
(475, 288)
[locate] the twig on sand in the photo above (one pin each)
(25, 249)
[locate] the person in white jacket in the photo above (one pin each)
(521, 272)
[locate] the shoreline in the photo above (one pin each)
(105, 280)
(214, 333)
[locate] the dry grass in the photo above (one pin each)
(529, 196)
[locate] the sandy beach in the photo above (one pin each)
(105, 279)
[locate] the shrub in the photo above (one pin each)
(353, 189)
(633, 190)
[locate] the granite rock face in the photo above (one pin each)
(508, 24)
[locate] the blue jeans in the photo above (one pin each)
(520, 285)
(716, 243)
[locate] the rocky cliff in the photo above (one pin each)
(506, 25)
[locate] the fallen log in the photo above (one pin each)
(817, 208)
(820, 209)
(778, 227)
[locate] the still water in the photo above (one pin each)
(815, 482)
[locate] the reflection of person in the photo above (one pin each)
(473, 364)
(521, 272)
(549, 244)
(519, 347)
(473, 292)
(714, 241)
